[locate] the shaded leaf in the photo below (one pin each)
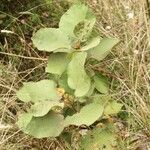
(87, 115)
(64, 84)
(50, 125)
(57, 63)
(103, 49)
(99, 139)
(112, 107)
(77, 77)
(38, 91)
(83, 30)
(101, 84)
(42, 108)
(50, 39)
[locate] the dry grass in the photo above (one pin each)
(130, 62)
(128, 20)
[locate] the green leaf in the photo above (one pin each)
(77, 77)
(112, 108)
(102, 99)
(50, 125)
(87, 115)
(64, 84)
(57, 63)
(84, 29)
(101, 84)
(38, 91)
(42, 108)
(91, 44)
(50, 39)
(24, 120)
(103, 49)
(99, 139)
(72, 17)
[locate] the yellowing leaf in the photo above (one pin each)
(103, 49)
(77, 77)
(50, 39)
(38, 91)
(112, 107)
(57, 63)
(87, 115)
(50, 125)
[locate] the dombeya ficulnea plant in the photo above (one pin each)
(73, 84)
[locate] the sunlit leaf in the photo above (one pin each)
(87, 115)
(72, 17)
(42, 108)
(77, 77)
(50, 125)
(112, 107)
(24, 120)
(103, 49)
(91, 44)
(38, 91)
(101, 84)
(103, 99)
(99, 139)
(57, 63)
(50, 39)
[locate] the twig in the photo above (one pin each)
(25, 57)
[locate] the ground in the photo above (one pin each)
(128, 65)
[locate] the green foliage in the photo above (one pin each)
(50, 125)
(87, 115)
(77, 77)
(99, 139)
(103, 49)
(101, 84)
(112, 108)
(76, 14)
(50, 39)
(38, 91)
(42, 108)
(57, 63)
(79, 89)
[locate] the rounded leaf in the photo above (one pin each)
(50, 39)
(76, 14)
(50, 125)
(38, 91)
(42, 108)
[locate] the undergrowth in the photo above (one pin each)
(127, 68)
